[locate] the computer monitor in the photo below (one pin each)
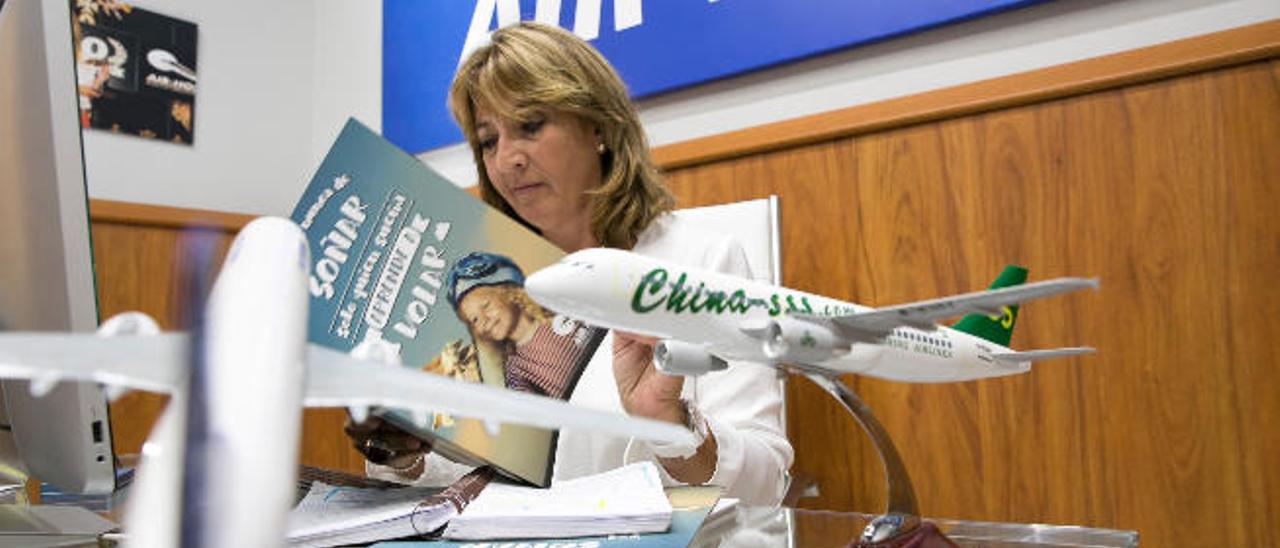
(46, 264)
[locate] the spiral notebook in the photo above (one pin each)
(338, 515)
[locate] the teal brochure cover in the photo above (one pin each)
(399, 253)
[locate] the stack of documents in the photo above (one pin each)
(627, 500)
(333, 516)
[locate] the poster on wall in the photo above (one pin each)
(135, 71)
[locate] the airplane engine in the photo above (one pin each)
(797, 341)
(681, 358)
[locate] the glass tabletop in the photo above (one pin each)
(744, 526)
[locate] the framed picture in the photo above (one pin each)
(135, 71)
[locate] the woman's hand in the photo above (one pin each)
(384, 444)
(644, 391)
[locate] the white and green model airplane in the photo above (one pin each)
(703, 318)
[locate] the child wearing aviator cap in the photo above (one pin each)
(541, 352)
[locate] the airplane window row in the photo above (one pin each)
(921, 338)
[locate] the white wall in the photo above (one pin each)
(279, 78)
(348, 71)
(252, 115)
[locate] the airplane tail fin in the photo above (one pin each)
(997, 329)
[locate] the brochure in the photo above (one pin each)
(400, 256)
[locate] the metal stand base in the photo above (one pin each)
(902, 515)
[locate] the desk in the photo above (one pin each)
(786, 527)
(50, 526)
(754, 527)
(740, 527)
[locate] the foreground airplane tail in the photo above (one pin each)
(997, 329)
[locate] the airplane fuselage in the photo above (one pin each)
(254, 377)
(646, 296)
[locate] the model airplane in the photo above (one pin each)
(704, 318)
(219, 468)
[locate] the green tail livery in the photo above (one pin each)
(997, 329)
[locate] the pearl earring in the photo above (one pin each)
(599, 148)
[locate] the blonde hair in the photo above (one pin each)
(516, 295)
(534, 65)
(529, 307)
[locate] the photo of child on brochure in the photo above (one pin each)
(514, 341)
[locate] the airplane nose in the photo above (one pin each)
(267, 239)
(543, 286)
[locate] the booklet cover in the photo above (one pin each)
(400, 254)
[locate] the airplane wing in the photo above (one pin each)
(336, 379)
(924, 314)
(155, 363)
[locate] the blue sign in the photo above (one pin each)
(656, 46)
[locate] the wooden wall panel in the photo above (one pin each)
(139, 254)
(1163, 190)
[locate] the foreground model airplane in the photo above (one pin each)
(220, 466)
(704, 318)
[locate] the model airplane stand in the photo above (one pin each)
(901, 517)
(900, 525)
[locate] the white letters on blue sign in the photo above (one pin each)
(547, 12)
(586, 18)
(478, 31)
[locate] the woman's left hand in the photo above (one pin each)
(644, 391)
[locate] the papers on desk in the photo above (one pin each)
(627, 500)
(333, 516)
(690, 505)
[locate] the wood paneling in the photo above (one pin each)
(140, 252)
(153, 216)
(1166, 192)
(137, 267)
(1161, 182)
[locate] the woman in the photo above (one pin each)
(559, 147)
(539, 352)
